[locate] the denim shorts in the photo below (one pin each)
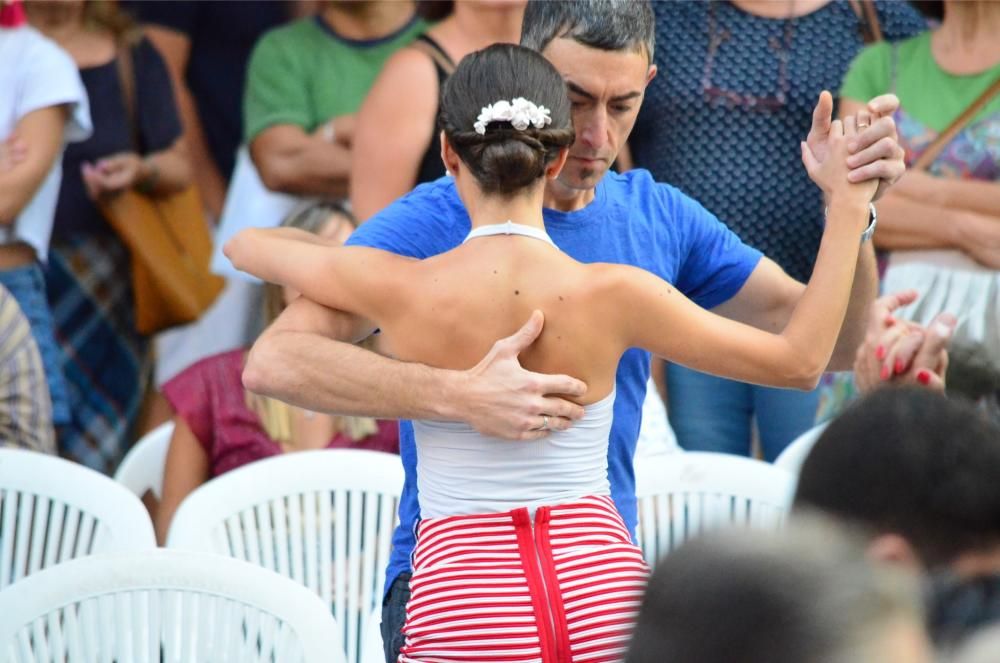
(27, 285)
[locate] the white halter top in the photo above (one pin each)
(509, 228)
(460, 471)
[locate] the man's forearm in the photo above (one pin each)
(306, 358)
(326, 375)
(863, 293)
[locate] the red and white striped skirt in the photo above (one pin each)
(499, 587)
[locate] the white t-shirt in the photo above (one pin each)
(36, 73)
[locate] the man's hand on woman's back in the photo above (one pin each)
(500, 398)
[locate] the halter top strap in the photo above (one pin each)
(510, 228)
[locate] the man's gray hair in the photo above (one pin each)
(610, 25)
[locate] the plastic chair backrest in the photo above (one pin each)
(372, 650)
(795, 453)
(52, 510)
(323, 518)
(164, 605)
(680, 495)
(142, 468)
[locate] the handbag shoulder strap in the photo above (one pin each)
(945, 137)
(126, 79)
(868, 16)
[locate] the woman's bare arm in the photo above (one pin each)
(360, 280)
(392, 135)
(292, 161)
(978, 196)
(186, 468)
(42, 131)
(657, 317)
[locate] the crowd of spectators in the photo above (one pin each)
(333, 107)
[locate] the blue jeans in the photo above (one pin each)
(27, 285)
(709, 413)
(394, 616)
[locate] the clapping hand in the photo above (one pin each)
(898, 351)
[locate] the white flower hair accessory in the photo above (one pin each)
(520, 112)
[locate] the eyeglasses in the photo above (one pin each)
(714, 94)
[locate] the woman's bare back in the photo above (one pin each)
(460, 302)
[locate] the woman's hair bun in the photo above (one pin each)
(504, 159)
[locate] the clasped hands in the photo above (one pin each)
(873, 152)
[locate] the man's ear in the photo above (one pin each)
(894, 549)
(448, 155)
(651, 74)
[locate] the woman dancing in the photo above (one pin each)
(521, 555)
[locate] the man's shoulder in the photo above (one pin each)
(424, 222)
(440, 196)
(644, 195)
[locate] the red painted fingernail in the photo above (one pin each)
(880, 352)
(900, 366)
(924, 377)
(889, 321)
(885, 373)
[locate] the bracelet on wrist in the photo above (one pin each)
(147, 182)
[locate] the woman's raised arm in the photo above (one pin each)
(656, 316)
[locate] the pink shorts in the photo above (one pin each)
(499, 587)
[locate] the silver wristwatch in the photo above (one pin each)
(872, 221)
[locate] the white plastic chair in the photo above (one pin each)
(323, 518)
(52, 510)
(681, 495)
(372, 650)
(164, 605)
(795, 453)
(141, 470)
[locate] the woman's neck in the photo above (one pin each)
(778, 9)
(525, 210)
(59, 22)
(372, 19)
(966, 42)
(474, 26)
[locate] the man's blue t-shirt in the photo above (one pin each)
(632, 220)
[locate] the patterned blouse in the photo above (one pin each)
(723, 123)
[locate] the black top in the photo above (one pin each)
(159, 127)
(431, 166)
(222, 36)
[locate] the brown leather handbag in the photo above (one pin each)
(167, 236)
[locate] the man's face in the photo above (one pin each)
(605, 90)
